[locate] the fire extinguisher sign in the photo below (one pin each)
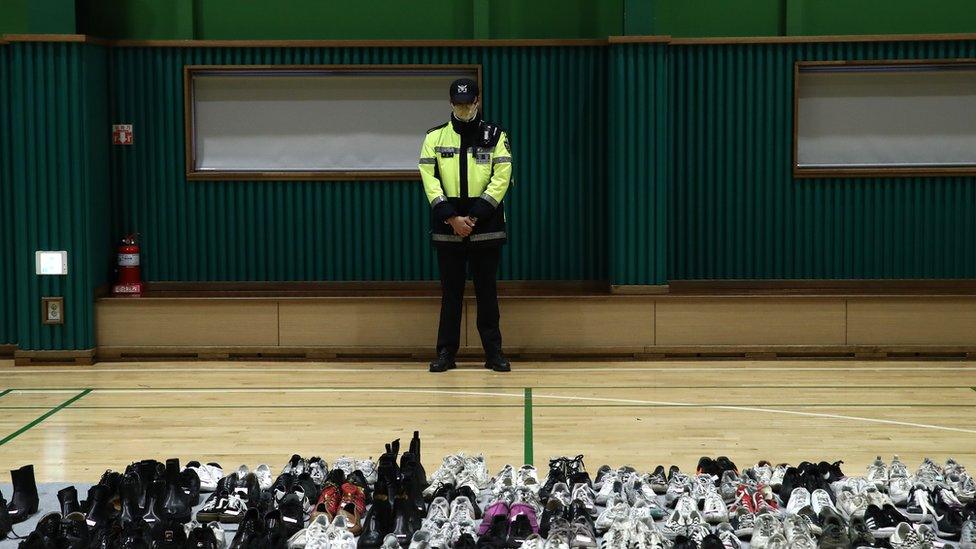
(121, 134)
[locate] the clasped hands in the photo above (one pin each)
(462, 225)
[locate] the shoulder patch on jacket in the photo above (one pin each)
(437, 127)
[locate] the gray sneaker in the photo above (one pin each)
(968, 538)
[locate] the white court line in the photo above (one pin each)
(556, 397)
(422, 368)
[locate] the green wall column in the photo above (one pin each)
(59, 137)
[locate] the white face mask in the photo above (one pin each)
(465, 112)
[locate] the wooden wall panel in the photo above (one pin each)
(571, 323)
(363, 322)
(912, 321)
(185, 322)
(750, 321)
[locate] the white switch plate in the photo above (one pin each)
(51, 263)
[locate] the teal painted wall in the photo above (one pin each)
(640, 166)
(8, 288)
(137, 19)
(322, 230)
(737, 212)
(57, 164)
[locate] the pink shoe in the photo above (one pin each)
(499, 508)
(527, 510)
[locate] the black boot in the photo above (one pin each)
(69, 500)
(496, 361)
(75, 533)
(377, 523)
(23, 502)
(129, 496)
(154, 499)
(174, 502)
(99, 503)
(444, 362)
(403, 519)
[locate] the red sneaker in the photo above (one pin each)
(355, 495)
(745, 499)
(331, 497)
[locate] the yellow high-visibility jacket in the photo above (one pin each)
(472, 182)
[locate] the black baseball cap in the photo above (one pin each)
(464, 90)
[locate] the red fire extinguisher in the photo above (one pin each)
(130, 276)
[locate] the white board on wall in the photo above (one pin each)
(900, 115)
(316, 120)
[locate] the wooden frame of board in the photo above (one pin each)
(869, 171)
(189, 71)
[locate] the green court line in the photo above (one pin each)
(5, 392)
(527, 454)
(49, 413)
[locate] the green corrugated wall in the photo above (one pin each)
(640, 126)
(8, 292)
(736, 211)
(552, 100)
(57, 164)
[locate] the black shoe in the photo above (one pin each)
(403, 518)
(129, 496)
(292, 514)
(444, 362)
(201, 537)
(879, 521)
(135, 535)
(100, 510)
(250, 531)
(23, 502)
(497, 362)
(190, 482)
(377, 523)
(68, 498)
(553, 512)
(467, 492)
(859, 533)
(75, 533)
(519, 529)
(168, 534)
(557, 474)
(681, 542)
(497, 534)
(711, 541)
(465, 541)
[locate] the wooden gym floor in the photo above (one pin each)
(74, 422)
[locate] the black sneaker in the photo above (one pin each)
(557, 474)
(681, 542)
(292, 514)
(859, 533)
(879, 521)
(711, 541)
(834, 536)
(497, 362)
(168, 534)
(949, 526)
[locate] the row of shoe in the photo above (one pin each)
(72, 531)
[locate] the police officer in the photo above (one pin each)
(466, 167)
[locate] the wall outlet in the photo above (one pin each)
(52, 310)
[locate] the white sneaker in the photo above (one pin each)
(318, 469)
(345, 541)
(851, 504)
(583, 494)
(644, 535)
(420, 540)
(716, 512)
(478, 469)
(905, 537)
(527, 477)
(368, 469)
(766, 528)
(440, 478)
(504, 480)
(263, 472)
(439, 511)
(534, 541)
(609, 487)
(898, 489)
(440, 538)
(728, 537)
(878, 472)
(799, 498)
(390, 542)
(317, 540)
(776, 480)
(346, 463)
(819, 500)
(462, 509)
(610, 515)
(795, 526)
(209, 475)
(618, 536)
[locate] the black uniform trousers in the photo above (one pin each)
(454, 263)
